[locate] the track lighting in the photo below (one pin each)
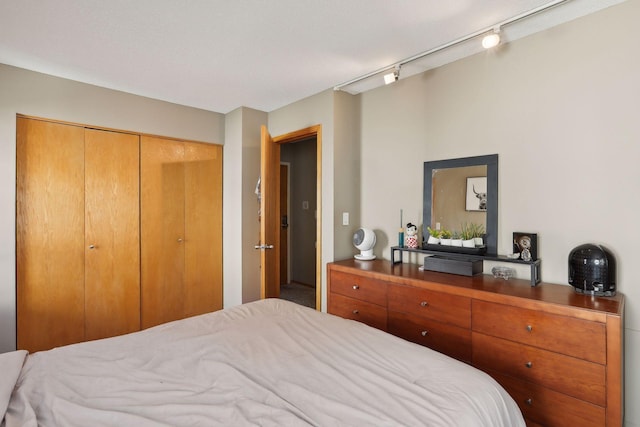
(392, 77)
(491, 40)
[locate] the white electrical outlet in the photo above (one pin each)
(305, 204)
(345, 218)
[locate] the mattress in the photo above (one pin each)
(266, 363)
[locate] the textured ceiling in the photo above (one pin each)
(220, 54)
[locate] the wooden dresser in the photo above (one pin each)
(559, 354)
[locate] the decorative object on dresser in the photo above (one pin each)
(592, 270)
(526, 244)
(558, 353)
(411, 240)
(364, 239)
(463, 266)
(401, 232)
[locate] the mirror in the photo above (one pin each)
(453, 195)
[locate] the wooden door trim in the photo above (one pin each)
(287, 274)
(299, 135)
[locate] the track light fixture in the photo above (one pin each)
(492, 39)
(392, 77)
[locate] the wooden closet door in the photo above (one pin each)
(49, 234)
(203, 228)
(112, 241)
(162, 230)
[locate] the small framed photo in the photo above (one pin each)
(526, 244)
(476, 193)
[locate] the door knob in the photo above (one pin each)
(262, 247)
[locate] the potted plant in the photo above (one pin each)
(445, 237)
(467, 233)
(434, 236)
(456, 240)
(478, 234)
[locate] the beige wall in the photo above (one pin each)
(561, 110)
(40, 95)
(241, 261)
(346, 172)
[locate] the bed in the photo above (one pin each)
(267, 363)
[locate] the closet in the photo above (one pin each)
(81, 217)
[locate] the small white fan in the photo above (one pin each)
(364, 239)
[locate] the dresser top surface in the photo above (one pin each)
(545, 292)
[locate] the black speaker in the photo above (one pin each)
(592, 270)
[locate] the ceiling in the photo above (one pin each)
(219, 55)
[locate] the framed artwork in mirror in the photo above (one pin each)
(476, 197)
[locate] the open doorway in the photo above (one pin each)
(298, 221)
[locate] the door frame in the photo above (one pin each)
(288, 213)
(296, 136)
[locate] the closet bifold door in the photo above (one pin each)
(203, 228)
(181, 234)
(112, 228)
(49, 234)
(162, 230)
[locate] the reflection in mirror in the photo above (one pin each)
(459, 191)
(453, 204)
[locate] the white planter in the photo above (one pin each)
(433, 240)
(478, 241)
(470, 243)
(456, 242)
(445, 242)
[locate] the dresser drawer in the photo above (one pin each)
(360, 287)
(575, 337)
(362, 311)
(448, 339)
(575, 377)
(542, 406)
(446, 308)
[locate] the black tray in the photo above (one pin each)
(478, 250)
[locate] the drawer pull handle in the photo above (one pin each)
(529, 328)
(424, 333)
(356, 287)
(528, 364)
(424, 304)
(529, 401)
(355, 311)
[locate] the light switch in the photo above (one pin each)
(345, 218)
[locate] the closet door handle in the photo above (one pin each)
(179, 240)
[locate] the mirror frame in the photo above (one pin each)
(491, 161)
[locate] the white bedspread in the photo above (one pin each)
(267, 363)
